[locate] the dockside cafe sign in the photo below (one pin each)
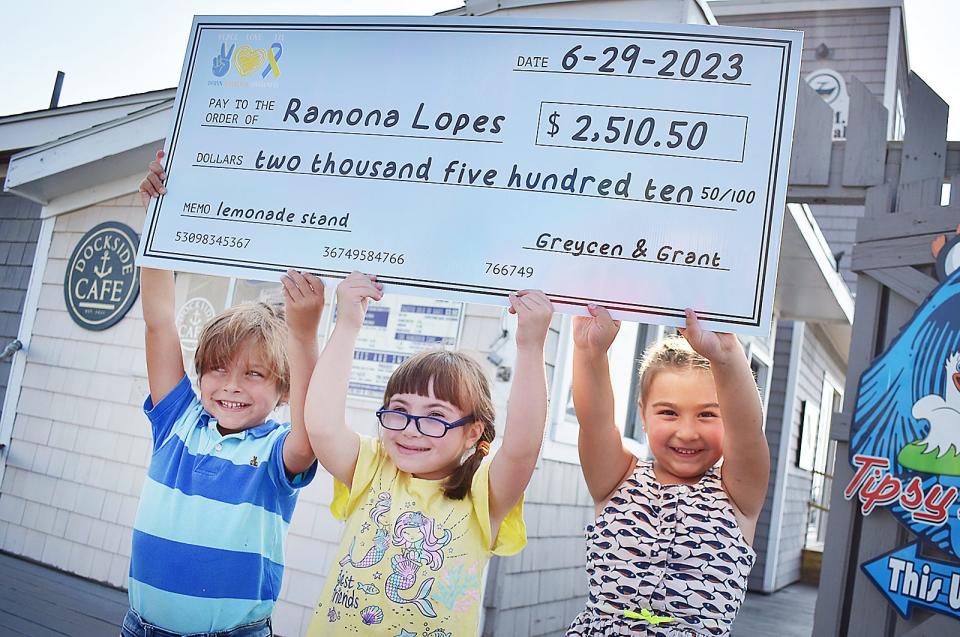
(101, 282)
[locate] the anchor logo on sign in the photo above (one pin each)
(101, 273)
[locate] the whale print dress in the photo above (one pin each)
(664, 550)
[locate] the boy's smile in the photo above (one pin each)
(241, 394)
(233, 406)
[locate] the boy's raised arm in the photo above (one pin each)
(164, 359)
(336, 445)
(303, 294)
(513, 465)
(603, 458)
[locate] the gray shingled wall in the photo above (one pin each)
(541, 590)
(19, 229)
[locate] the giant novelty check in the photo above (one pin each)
(641, 167)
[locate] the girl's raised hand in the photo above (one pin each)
(534, 311)
(716, 347)
(353, 295)
(595, 333)
(152, 183)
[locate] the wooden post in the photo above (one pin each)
(866, 151)
(812, 139)
(893, 263)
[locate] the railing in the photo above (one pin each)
(818, 506)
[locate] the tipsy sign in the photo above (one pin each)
(905, 446)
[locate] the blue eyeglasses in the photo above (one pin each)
(427, 425)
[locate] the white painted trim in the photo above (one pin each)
(91, 196)
(231, 292)
(771, 342)
(890, 73)
(486, 7)
(560, 452)
(149, 97)
(124, 122)
(707, 12)
(88, 146)
(758, 7)
(820, 250)
(906, 42)
(760, 349)
(562, 432)
(19, 364)
(831, 381)
(780, 478)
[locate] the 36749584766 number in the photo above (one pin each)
(359, 254)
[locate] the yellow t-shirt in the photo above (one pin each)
(410, 560)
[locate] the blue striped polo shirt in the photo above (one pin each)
(207, 551)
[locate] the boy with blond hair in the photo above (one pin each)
(208, 541)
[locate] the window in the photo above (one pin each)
(760, 364)
(823, 461)
(247, 290)
(899, 124)
(198, 298)
(807, 437)
(624, 357)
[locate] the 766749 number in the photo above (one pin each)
(508, 269)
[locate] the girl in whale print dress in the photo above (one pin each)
(669, 552)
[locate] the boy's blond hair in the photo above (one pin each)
(670, 353)
(256, 325)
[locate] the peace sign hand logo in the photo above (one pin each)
(221, 63)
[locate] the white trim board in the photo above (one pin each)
(91, 196)
(133, 99)
(893, 64)
(19, 363)
(36, 128)
(73, 163)
(759, 7)
(820, 250)
(780, 477)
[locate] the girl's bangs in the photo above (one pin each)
(450, 373)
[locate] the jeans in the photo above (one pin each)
(134, 626)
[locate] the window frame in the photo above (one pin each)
(563, 430)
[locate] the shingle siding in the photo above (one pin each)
(19, 229)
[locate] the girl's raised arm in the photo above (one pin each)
(304, 299)
(513, 465)
(746, 456)
(604, 459)
(335, 444)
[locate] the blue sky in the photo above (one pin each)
(118, 47)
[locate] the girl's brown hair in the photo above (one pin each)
(460, 381)
(671, 353)
(255, 325)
